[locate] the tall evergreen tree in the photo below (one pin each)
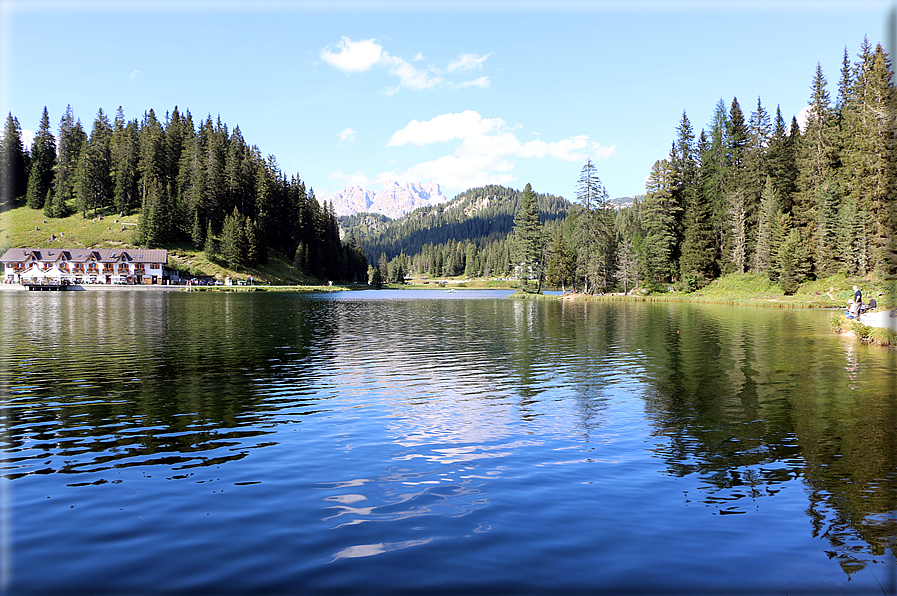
(660, 216)
(714, 175)
(529, 243)
(594, 230)
(13, 164)
(816, 155)
(43, 159)
(697, 261)
(782, 164)
(870, 152)
(94, 179)
(72, 139)
(770, 208)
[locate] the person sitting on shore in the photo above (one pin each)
(853, 309)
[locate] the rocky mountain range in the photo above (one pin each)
(393, 200)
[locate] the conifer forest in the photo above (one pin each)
(200, 184)
(752, 192)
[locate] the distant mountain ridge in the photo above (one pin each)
(478, 215)
(393, 200)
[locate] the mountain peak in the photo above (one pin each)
(393, 200)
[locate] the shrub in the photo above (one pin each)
(882, 336)
(860, 330)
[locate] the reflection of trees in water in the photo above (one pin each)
(153, 378)
(751, 400)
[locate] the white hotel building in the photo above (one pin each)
(138, 266)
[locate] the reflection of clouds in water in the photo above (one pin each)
(369, 550)
(390, 500)
(853, 364)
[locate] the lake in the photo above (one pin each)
(391, 442)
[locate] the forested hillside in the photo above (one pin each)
(753, 193)
(468, 235)
(203, 184)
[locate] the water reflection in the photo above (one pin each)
(750, 402)
(104, 380)
(381, 426)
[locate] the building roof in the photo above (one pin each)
(83, 255)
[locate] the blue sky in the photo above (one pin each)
(460, 93)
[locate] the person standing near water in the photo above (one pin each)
(857, 295)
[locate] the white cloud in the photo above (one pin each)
(481, 82)
(409, 76)
(353, 56)
(27, 137)
(803, 117)
(133, 74)
(486, 152)
(466, 62)
(348, 134)
(359, 56)
(444, 127)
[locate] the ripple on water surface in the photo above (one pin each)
(407, 441)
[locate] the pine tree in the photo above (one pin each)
(698, 252)
(71, 141)
(816, 155)
(94, 180)
(43, 159)
(253, 247)
(870, 152)
(736, 145)
(561, 262)
(770, 208)
(660, 216)
(529, 243)
(714, 176)
(212, 246)
(594, 230)
(782, 164)
(233, 240)
(13, 165)
(124, 146)
(627, 265)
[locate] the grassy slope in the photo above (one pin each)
(757, 290)
(24, 227)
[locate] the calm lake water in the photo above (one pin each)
(423, 442)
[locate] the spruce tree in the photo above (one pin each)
(782, 165)
(43, 160)
(124, 150)
(212, 247)
(661, 213)
(71, 141)
(13, 164)
(770, 208)
(627, 265)
(698, 252)
(529, 243)
(816, 155)
(594, 230)
(870, 153)
(94, 179)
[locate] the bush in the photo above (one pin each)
(860, 330)
(838, 322)
(882, 336)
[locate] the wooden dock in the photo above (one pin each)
(47, 285)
